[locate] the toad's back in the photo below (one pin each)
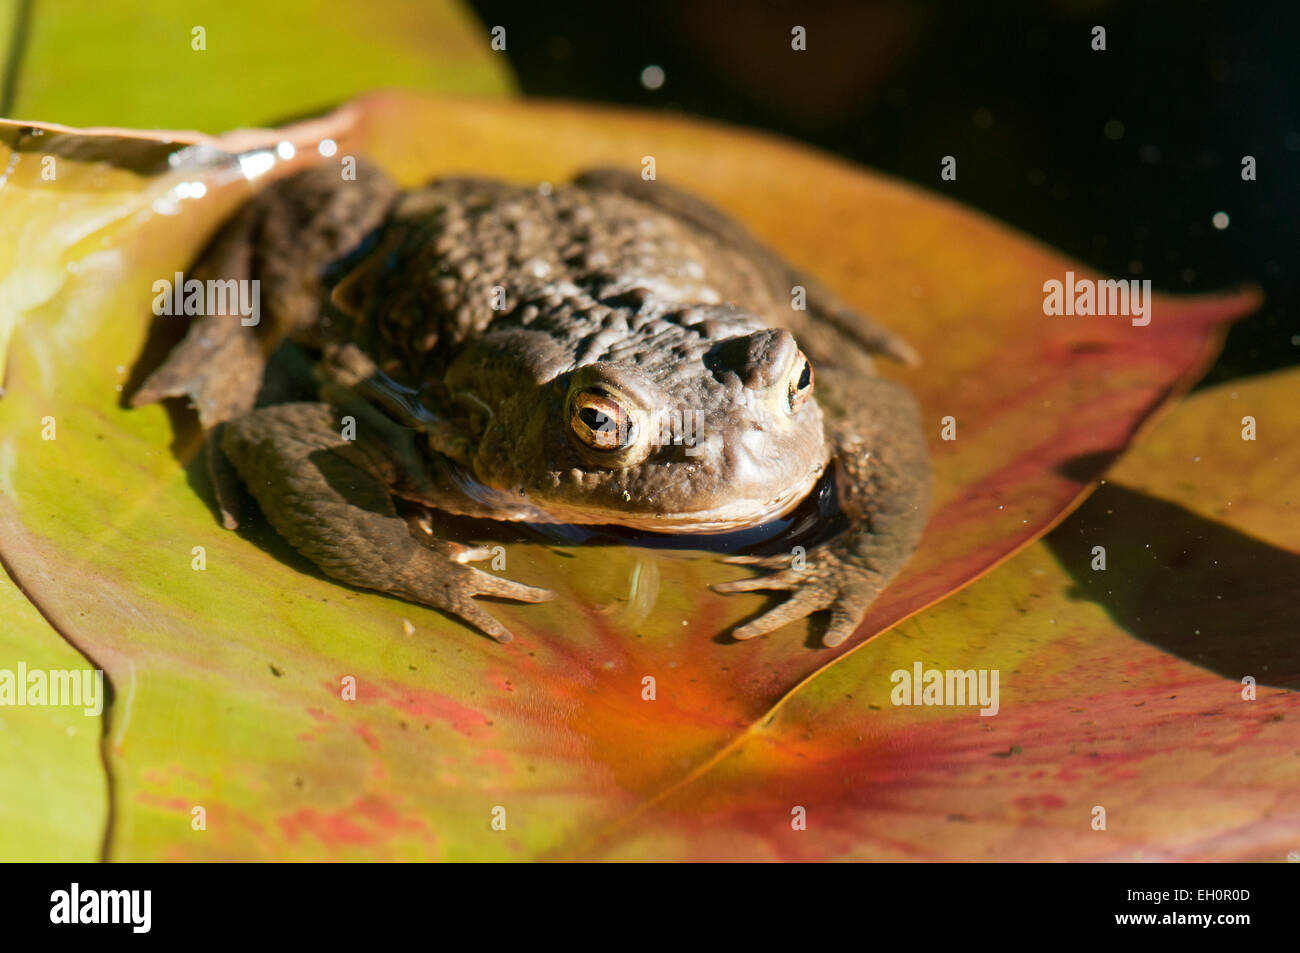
(463, 255)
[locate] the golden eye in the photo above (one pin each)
(800, 384)
(600, 422)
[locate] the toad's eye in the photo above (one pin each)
(600, 422)
(800, 384)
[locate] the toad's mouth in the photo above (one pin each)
(512, 506)
(733, 515)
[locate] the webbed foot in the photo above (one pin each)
(819, 580)
(330, 498)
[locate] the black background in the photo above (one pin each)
(336, 906)
(1015, 92)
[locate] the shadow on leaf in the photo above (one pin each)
(1192, 587)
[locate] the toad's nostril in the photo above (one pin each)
(760, 360)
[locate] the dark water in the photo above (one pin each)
(1118, 158)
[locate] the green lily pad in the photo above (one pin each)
(139, 64)
(53, 787)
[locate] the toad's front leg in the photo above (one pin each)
(330, 498)
(883, 481)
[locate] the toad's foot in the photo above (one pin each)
(444, 581)
(330, 497)
(821, 580)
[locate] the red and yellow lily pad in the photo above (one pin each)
(231, 680)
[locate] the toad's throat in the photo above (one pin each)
(732, 515)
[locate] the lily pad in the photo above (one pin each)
(212, 65)
(236, 671)
(53, 787)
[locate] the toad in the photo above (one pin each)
(606, 351)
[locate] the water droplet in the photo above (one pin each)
(255, 164)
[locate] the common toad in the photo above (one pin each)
(610, 351)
